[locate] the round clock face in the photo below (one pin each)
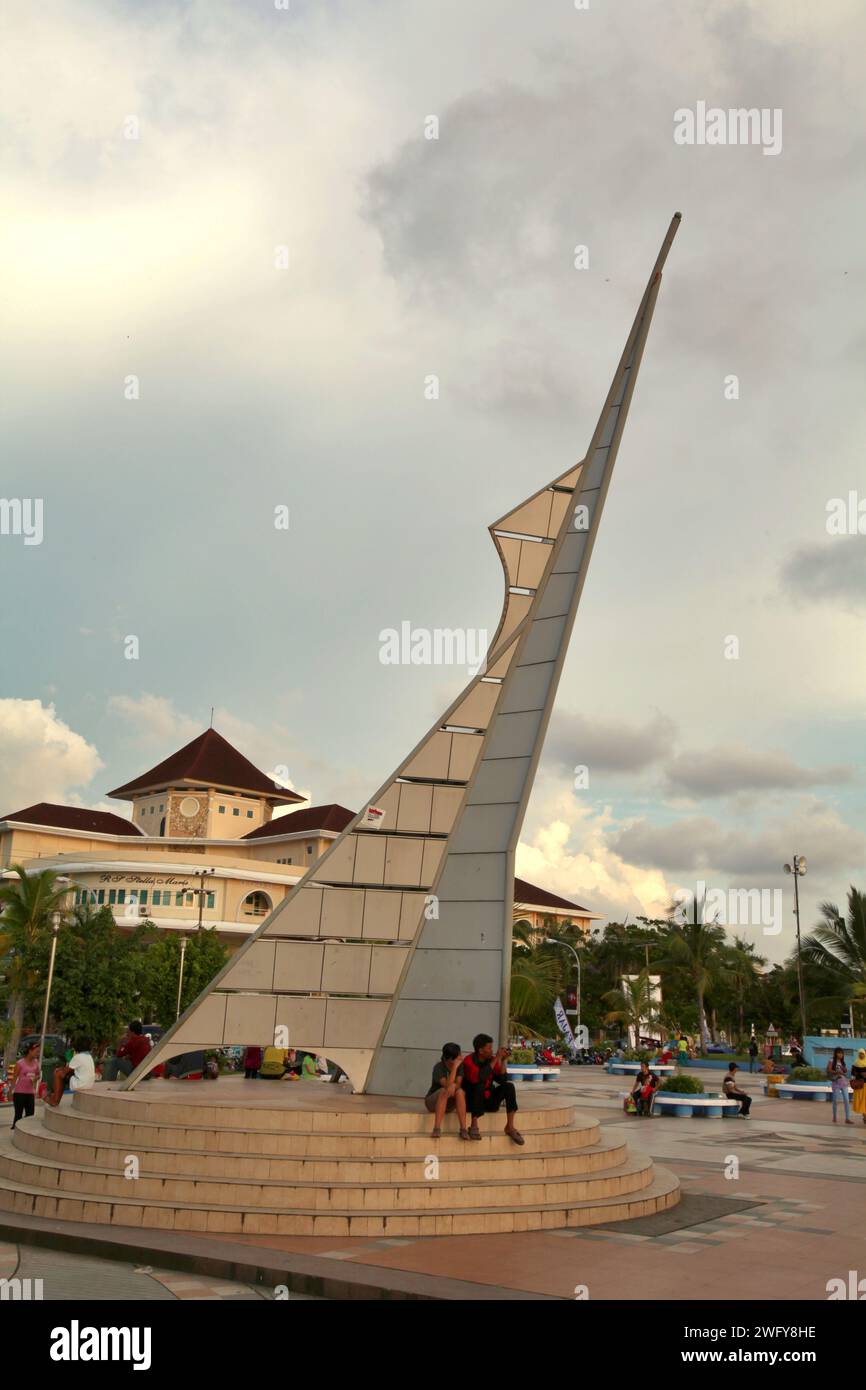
(189, 807)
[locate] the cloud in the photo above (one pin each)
(731, 770)
(41, 758)
(571, 854)
(833, 572)
(609, 745)
(701, 844)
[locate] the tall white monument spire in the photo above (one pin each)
(398, 939)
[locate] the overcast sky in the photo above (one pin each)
(155, 257)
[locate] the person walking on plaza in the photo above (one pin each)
(753, 1052)
(446, 1090)
(838, 1074)
(134, 1047)
(25, 1077)
(485, 1081)
(731, 1091)
(252, 1062)
(682, 1049)
(858, 1084)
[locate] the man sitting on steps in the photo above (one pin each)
(486, 1084)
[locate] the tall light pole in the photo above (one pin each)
(552, 941)
(56, 923)
(183, 945)
(201, 876)
(797, 867)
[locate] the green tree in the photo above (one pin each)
(94, 988)
(157, 967)
(28, 904)
(628, 1004)
(693, 950)
(838, 944)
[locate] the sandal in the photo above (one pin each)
(464, 1134)
(475, 1132)
(436, 1134)
(515, 1137)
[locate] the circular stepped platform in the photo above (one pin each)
(310, 1162)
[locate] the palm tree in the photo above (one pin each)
(742, 968)
(534, 978)
(27, 906)
(628, 1004)
(693, 948)
(839, 945)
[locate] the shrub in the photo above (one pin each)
(684, 1085)
(806, 1074)
(522, 1056)
(637, 1054)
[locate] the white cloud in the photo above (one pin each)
(593, 874)
(41, 758)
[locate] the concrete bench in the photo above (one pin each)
(684, 1106)
(632, 1068)
(528, 1072)
(805, 1090)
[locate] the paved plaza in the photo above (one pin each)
(791, 1220)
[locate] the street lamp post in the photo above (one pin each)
(552, 941)
(183, 945)
(56, 923)
(205, 873)
(797, 867)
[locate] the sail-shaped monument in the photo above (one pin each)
(398, 939)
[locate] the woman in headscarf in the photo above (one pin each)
(858, 1084)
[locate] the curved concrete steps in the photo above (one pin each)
(303, 1163)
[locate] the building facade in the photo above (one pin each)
(201, 845)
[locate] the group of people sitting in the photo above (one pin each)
(646, 1084)
(472, 1085)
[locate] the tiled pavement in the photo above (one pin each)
(806, 1178)
(73, 1278)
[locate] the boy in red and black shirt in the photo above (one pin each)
(486, 1085)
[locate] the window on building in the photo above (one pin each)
(309, 849)
(142, 897)
(112, 896)
(100, 897)
(161, 809)
(143, 811)
(121, 895)
(210, 899)
(178, 899)
(222, 810)
(151, 810)
(235, 811)
(189, 899)
(250, 814)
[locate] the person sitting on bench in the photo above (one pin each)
(732, 1091)
(645, 1086)
(485, 1081)
(446, 1090)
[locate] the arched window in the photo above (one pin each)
(256, 904)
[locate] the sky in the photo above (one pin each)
(233, 259)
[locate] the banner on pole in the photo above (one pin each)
(563, 1025)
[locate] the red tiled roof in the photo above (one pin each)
(74, 818)
(211, 761)
(530, 896)
(334, 818)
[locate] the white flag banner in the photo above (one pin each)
(563, 1024)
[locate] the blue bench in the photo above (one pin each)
(685, 1107)
(805, 1090)
(528, 1072)
(616, 1068)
